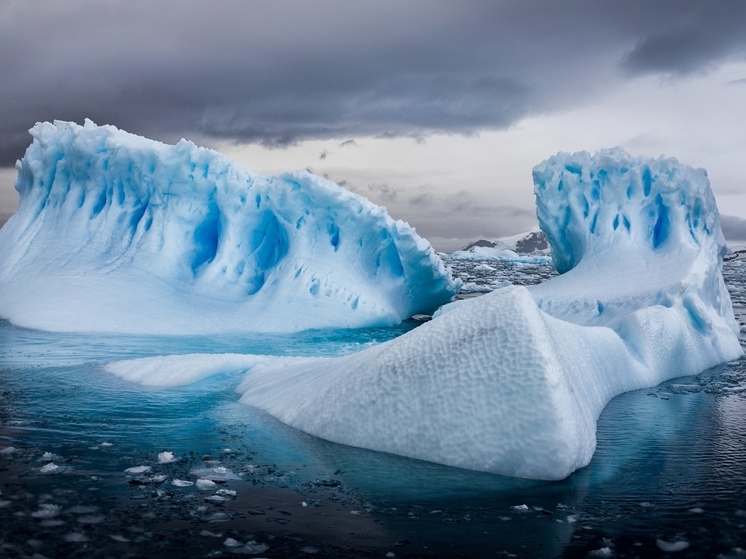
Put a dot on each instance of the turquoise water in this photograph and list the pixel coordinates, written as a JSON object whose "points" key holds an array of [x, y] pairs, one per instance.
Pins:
{"points": [[670, 463]]}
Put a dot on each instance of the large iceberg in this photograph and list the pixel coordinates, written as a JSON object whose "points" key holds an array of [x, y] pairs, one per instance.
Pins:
{"points": [[118, 233], [513, 382]]}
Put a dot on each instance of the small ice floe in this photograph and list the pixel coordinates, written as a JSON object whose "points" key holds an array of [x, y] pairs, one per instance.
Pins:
{"points": [[520, 508], [205, 484], [47, 457], [571, 519], [137, 470], [76, 537], [105, 444], [504, 518], [484, 268], [217, 473], [646, 505], [208, 534], [8, 450], [118, 538], [166, 457], [181, 483], [157, 479], [602, 552], [4, 504], [51, 468], [46, 510], [697, 510], [219, 517], [390, 554], [671, 547], [226, 493], [215, 499]]}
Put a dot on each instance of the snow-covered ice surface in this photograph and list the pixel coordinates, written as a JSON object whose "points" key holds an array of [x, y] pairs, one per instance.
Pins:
{"points": [[117, 233], [513, 382]]}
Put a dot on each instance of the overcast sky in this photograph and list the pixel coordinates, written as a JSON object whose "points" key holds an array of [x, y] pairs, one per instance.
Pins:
{"points": [[437, 110]]}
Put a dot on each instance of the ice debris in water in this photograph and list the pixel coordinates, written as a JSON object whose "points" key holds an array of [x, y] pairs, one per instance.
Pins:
{"points": [[670, 547], [51, 468], [47, 457], [136, 470], [218, 473], [8, 450], [229, 493], [205, 484], [181, 483], [46, 510], [166, 457], [211, 246], [76, 537], [527, 371]]}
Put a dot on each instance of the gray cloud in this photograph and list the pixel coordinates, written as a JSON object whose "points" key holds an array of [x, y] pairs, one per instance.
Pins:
{"points": [[280, 72], [734, 228]]}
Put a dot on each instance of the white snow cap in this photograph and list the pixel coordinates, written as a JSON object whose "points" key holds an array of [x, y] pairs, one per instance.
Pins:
{"points": [[513, 382], [118, 233]]}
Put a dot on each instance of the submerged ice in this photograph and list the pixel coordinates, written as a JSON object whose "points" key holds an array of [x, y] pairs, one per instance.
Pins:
{"points": [[117, 233], [513, 382]]}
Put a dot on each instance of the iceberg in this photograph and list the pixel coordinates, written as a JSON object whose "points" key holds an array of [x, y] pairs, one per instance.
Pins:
{"points": [[513, 382], [117, 233]]}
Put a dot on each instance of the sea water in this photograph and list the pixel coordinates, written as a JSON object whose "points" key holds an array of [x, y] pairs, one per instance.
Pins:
{"points": [[668, 476]]}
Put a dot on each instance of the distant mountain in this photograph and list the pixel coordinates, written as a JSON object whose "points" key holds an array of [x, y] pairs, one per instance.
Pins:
{"points": [[532, 242]]}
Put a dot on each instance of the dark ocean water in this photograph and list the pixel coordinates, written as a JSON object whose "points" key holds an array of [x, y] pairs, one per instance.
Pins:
{"points": [[668, 477]]}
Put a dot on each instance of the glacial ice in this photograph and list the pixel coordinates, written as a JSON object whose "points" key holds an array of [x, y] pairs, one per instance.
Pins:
{"points": [[513, 382], [117, 233]]}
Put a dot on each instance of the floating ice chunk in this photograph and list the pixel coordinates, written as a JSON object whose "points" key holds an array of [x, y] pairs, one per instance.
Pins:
{"points": [[4, 504], [603, 552], [118, 538], [697, 510], [181, 483], [47, 457], [226, 493], [520, 508], [208, 534], [8, 450], [51, 468], [203, 244], [484, 268], [215, 499], [670, 547], [218, 473], [46, 510], [166, 457], [107, 444], [136, 470], [205, 484], [76, 537]]}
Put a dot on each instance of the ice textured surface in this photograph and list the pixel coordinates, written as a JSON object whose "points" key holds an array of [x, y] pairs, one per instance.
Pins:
{"points": [[117, 233]]}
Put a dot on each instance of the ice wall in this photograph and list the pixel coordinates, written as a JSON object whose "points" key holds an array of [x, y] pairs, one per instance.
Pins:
{"points": [[119, 233]]}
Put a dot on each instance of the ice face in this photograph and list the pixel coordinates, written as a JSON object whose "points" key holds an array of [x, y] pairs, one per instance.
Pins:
{"points": [[117, 233]]}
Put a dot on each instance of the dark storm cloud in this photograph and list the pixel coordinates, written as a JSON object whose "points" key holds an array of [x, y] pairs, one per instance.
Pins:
{"points": [[279, 72]]}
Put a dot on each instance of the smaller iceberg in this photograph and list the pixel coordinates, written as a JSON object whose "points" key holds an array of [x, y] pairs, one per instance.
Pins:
{"points": [[117, 233]]}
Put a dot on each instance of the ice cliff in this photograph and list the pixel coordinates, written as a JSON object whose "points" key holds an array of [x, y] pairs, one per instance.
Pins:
{"points": [[513, 382], [118, 233]]}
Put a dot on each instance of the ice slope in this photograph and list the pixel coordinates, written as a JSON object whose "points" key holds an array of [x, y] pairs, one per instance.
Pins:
{"points": [[118, 233], [513, 382]]}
